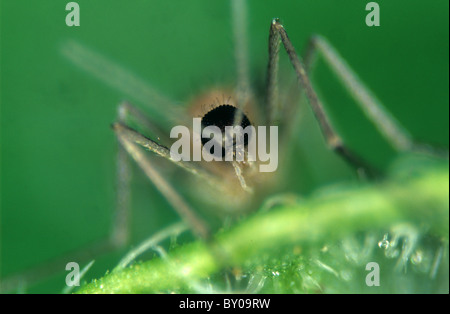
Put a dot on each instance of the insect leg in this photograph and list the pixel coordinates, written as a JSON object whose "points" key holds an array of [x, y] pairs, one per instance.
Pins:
{"points": [[243, 90], [398, 137], [119, 235], [131, 141], [277, 36], [121, 79], [388, 126]]}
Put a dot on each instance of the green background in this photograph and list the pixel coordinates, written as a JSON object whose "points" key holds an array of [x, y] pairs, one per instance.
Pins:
{"points": [[58, 151]]}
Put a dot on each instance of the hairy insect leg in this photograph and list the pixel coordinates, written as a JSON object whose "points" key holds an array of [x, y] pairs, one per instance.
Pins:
{"points": [[277, 36], [133, 142], [391, 129], [387, 125], [120, 229], [124, 132], [119, 78]]}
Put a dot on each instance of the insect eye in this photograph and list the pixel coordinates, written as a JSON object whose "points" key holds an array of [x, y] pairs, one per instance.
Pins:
{"points": [[222, 117]]}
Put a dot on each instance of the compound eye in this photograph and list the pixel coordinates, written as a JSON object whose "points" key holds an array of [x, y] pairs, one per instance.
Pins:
{"points": [[222, 117]]}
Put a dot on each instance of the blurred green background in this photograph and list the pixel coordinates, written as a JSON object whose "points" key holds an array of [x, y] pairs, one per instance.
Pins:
{"points": [[58, 151]]}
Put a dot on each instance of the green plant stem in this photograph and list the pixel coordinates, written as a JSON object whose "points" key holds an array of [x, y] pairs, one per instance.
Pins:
{"points": [[422, 199]]}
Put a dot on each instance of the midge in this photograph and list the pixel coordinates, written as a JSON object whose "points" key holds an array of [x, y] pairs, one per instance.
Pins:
{"points": [[230, 186], [237, 185]]}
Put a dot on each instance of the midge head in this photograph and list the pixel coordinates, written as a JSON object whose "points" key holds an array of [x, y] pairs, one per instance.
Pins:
{"points": [[223, 117], [226, 136]]}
